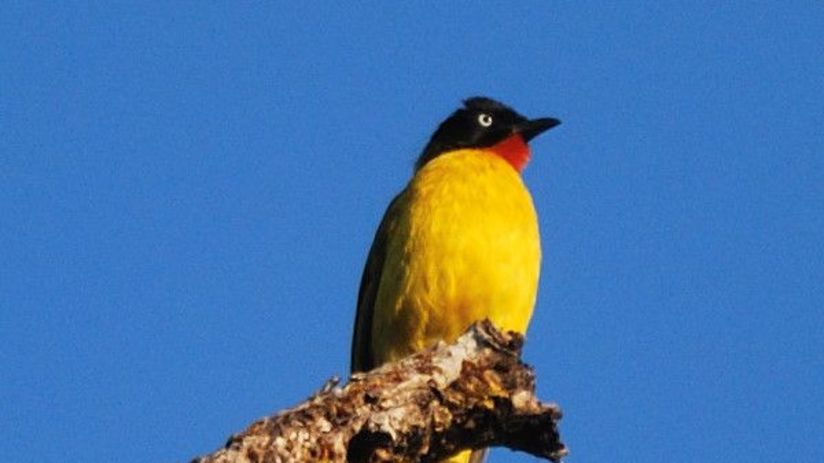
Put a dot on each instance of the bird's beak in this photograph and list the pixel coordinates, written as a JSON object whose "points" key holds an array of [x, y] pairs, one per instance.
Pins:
{"points": [[535, 127]]}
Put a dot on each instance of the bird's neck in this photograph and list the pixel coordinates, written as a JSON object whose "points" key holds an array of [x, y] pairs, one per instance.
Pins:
{"points": [[514, 149]]}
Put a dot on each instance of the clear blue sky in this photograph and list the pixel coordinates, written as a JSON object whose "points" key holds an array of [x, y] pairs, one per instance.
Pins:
{"points": [[188, 193]]}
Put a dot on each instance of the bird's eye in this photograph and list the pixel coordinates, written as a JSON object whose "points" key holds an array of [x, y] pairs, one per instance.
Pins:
{"points": [[484, 119]]}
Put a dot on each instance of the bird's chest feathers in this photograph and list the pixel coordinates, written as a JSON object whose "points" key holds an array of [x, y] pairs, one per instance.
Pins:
{"points": [[473, 242], [470, 196], [468, 215]]}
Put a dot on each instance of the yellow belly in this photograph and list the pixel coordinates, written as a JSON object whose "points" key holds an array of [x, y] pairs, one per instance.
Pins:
{"points": [[466, 247]]}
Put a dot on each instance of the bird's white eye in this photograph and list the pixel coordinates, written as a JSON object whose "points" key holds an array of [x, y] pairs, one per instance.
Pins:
{"points": [[484, 119]]}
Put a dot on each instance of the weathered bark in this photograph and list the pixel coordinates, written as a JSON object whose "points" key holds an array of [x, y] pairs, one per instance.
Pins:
{"points": [[474, 393]]}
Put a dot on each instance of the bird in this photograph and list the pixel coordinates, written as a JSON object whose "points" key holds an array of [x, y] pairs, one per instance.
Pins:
{"points": [[460, 243]]}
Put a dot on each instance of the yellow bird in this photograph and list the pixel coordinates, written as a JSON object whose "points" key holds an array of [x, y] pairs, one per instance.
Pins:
{"points": [[459, 244]]}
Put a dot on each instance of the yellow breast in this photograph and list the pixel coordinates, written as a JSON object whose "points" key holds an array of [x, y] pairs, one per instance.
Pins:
{"points": [[465, 247]]}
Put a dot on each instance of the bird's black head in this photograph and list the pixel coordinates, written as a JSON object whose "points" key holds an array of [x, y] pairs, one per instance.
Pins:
{"points": [[481, 123]]}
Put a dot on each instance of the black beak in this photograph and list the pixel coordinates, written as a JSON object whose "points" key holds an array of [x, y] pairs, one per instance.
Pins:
{"points": [[535, 127]]}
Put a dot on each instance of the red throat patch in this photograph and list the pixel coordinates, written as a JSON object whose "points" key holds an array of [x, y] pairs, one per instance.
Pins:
{"points": [[514, 149]]}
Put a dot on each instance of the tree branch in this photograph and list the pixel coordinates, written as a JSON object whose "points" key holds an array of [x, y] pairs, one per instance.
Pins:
{"points": [[474, 393]]}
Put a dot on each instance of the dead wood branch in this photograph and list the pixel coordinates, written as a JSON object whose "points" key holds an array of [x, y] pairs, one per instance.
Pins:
{"points": [[474, 393]]}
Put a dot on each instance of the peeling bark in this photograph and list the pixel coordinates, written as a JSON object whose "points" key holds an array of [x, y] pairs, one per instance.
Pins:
{"points": [[474, 393]]}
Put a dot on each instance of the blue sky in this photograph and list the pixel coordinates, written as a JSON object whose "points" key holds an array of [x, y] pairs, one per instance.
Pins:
{"points": [[188, 193]]}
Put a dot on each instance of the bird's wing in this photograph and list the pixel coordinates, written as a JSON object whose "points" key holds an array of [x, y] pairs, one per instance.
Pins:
{"points": [[362, 355]]}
